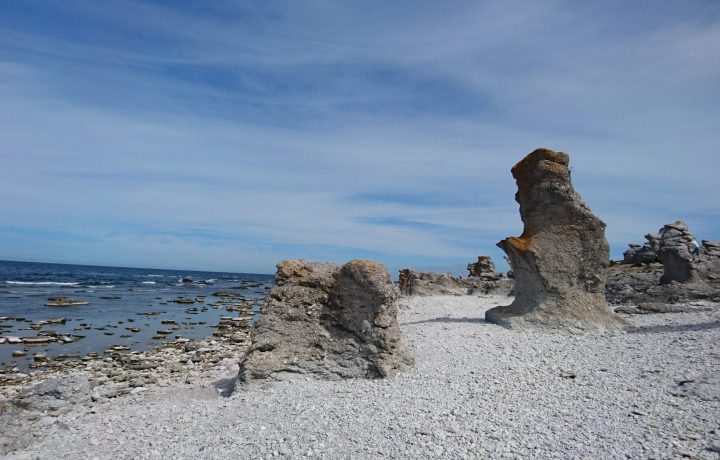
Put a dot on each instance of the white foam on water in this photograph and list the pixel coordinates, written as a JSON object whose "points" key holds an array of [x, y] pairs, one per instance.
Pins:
{"points": [[41, 283]]}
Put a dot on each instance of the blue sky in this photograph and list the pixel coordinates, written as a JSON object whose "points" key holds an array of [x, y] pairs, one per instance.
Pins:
{"points": [[230, 135]]}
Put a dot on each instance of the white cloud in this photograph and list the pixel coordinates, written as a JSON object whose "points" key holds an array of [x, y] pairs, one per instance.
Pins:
{"points": [[131, 140]]}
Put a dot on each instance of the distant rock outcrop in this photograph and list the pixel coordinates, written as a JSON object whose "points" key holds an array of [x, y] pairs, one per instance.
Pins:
{"points": [[560, 260], [484, 268], [406, 280], [647, 253], [412, 283], [428, 283], [327, 321], [680, 283]]}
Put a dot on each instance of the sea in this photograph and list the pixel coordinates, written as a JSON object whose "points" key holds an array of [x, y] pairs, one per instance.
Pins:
{"points": [[125, 306]]}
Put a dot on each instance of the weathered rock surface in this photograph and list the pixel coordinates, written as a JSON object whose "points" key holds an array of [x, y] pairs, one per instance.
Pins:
{"points": [[711, 248], [675, 255], [327, 321], [647, 253], [55, 394], [560, 260], [501, 286], [405, 280]]}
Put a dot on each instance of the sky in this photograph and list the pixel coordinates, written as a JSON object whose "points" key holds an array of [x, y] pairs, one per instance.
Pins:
{"points": [[230, 135]]}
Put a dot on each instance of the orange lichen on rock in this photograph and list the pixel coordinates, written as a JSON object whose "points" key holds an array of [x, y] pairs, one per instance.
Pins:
{"points": [[291, 269], [366, 265], [537, 156], [557, 168], [522, 243]]}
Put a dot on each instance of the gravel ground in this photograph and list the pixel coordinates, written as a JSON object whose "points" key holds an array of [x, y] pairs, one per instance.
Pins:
{"points": [[477, 391]]}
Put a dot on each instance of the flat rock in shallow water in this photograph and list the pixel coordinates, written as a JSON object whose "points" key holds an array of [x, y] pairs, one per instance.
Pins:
{"points": [[64, 302], [226, 294], [40, 339]]}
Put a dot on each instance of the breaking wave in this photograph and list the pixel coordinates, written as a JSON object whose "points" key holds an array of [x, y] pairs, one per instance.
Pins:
{"points": [[41, 283]]}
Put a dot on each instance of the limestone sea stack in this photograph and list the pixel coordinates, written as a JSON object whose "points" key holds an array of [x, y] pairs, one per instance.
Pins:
{"points": [[329, 322], [675, 255], [560, 260]]}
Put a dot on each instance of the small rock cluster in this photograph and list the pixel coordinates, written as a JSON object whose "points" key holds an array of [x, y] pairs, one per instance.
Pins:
{"points": [[674, 281], [163, 364], [119, 372], [647, 253], [428, 283], [483, 279], [42, 337]]}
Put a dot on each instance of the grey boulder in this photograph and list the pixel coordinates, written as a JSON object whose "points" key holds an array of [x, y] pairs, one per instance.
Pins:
{"points": [[328, 322], [54, 394]]}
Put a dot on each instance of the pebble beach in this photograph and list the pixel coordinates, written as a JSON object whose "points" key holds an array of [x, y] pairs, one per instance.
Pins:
{"points": [[477, 391]]}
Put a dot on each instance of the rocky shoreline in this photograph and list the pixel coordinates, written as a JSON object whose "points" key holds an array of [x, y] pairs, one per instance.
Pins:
{"points": [[477, 390], [110, 379], [233, 326]]}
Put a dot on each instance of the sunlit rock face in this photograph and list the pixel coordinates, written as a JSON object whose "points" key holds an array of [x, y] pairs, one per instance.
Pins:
{"points": [[328, 322]]}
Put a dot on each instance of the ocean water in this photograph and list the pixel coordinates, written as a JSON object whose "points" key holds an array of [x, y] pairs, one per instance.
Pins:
{"points": [[119, 299]]}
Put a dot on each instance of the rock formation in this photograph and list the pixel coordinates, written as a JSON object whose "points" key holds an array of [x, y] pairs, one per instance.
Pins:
{"points": [[647, 253], [678, 284], [428, 283], [484, 268], [560, 260], [711, 248], [414, 283], [327, 321], [674, 254], [406, 281]]}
